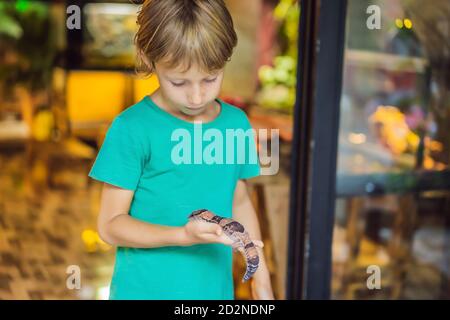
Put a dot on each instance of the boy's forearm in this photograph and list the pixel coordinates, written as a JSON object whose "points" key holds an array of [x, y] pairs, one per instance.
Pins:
{"points": [[245, 214], [126, 231]]}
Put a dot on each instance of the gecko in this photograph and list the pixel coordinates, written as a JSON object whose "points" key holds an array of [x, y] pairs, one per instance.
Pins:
{"points": [[236, 232]]}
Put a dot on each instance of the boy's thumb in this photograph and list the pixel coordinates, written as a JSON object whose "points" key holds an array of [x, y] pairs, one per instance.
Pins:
{"points": [[213, 228]]}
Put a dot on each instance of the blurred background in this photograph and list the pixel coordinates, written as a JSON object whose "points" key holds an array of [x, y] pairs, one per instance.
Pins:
{"points": [[61, 84]]}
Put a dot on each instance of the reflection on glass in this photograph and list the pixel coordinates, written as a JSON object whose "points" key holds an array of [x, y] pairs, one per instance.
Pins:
{"points": [[108, 30], [392, 218]]}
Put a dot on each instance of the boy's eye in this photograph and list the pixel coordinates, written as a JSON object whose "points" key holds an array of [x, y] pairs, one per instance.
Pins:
{"points": [[182, 83], [211, 80]]}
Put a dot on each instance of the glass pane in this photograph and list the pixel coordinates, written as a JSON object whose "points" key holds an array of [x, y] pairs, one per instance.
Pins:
{"points": [[390, 220]]}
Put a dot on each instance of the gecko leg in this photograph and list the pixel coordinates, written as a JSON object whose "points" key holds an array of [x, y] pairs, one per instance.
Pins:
{"points": [[237, 245]]}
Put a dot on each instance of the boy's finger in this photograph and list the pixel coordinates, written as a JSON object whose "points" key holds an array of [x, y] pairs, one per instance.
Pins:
{"points": [[218, 239], [228, 242], [211, 237], [212, 228]]}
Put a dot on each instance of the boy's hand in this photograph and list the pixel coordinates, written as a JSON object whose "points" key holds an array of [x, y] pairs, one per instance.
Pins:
{"points": [[204, 232]]}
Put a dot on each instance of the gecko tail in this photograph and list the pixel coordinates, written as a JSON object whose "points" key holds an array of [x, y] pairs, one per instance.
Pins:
{"points": [[252, 266]]}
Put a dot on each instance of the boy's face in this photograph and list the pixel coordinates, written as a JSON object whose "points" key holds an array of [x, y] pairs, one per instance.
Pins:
{"points": [[190, 92]]}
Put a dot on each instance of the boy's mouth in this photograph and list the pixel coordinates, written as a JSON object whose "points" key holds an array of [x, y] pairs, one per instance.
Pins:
{"points": [[194, 108], [193, 111]]}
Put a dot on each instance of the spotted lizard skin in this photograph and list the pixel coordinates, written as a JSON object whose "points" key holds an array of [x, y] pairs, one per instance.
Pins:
{"points": [[236, 232]]}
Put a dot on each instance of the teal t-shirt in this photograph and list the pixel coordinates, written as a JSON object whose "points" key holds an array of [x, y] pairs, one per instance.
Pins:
{"points": [[174, 167]]}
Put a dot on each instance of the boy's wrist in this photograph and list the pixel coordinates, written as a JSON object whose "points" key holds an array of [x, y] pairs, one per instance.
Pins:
{"points": [[181, 237]]}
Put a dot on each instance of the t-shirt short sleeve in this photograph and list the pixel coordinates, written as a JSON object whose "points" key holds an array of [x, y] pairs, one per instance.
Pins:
{"points": [[120, 159], [250, 168]]}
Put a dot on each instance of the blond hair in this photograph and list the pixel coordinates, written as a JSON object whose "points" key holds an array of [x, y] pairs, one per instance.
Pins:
{"points": [[184, 32]]}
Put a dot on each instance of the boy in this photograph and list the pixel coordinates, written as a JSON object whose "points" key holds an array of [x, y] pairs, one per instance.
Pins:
{"points": [[147, 193]]}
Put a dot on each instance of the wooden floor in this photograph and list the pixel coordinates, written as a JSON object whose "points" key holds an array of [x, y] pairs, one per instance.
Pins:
{"points": [[41, 234]]}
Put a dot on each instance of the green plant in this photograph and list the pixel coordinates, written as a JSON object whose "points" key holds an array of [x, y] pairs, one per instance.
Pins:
{"points": [[288, 13], [278, 81], [27, 44]]}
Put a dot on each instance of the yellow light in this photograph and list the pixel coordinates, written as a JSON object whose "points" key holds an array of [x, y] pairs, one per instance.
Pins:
{"points": [[428, 163], [89, 235], [393, 131], [408, 23], [435, 146], [399, 23], [42, 125], [90, 240], [93, 242]]}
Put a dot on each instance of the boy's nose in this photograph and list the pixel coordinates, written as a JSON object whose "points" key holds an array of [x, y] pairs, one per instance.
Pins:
{"points": [[195, 98]]}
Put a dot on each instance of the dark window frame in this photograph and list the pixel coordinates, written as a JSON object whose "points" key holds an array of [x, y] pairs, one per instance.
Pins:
{"points": [[314, 150]]}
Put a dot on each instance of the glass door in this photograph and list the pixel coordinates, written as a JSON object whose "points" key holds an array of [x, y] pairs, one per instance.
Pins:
{"points": [[391, 233]]}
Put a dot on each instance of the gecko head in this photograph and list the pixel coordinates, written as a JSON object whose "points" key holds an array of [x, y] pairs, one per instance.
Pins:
{"points": [[197, 213]]}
